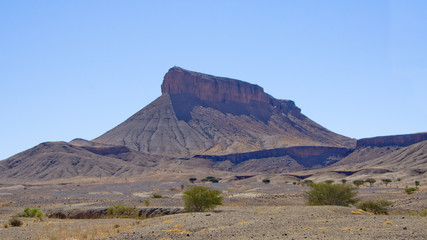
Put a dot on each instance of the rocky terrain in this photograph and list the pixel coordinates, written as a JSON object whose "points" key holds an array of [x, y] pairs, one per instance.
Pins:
{"points": [[200, 114], [251, 209], [203, 122], [202, 126]]}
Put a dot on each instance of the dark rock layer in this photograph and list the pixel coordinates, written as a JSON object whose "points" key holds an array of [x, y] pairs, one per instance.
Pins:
{"points": [[307, 156], [395, 140]]}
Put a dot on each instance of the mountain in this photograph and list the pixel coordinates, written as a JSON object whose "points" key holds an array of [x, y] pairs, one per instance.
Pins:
{"points": [[200, 114], [202, 123]]}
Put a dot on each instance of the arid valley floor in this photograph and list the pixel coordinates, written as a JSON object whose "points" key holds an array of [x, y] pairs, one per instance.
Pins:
{"points": [[250, 210]]}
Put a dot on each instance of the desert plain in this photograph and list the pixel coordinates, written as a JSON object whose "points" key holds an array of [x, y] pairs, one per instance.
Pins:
{"points": [[251, 209]]}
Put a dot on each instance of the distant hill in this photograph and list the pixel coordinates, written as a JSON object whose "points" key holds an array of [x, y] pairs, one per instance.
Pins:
{"points": [[53, 160]]}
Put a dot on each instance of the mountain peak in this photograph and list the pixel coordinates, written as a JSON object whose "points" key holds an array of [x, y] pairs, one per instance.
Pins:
{"points": [[211, 88]]}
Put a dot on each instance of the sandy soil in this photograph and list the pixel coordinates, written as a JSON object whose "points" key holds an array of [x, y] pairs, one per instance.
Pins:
{"points": [[250, 210]]}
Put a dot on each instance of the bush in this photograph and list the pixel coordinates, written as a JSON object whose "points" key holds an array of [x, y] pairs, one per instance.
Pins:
{"points": [[417, 183], [422, 213], [375, 206], [386, 181], [156, 196], [331, 194], [15, 222], [410, 190], [358, 183], [306, 182], [192, 179], [371, 181], [266, 180], [201, 198], [343, 181], [31, 213], [210, 179], [120, 210], [329, 181]]}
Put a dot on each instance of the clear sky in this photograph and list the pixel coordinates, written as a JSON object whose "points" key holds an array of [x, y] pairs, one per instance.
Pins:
{"points": [[73, 69]]}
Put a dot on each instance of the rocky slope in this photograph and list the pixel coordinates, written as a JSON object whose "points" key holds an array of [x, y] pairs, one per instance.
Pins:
{"points": [[395, 140], [53, 160], [200, 114]]}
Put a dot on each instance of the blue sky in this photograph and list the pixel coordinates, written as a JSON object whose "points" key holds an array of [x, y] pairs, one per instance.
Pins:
{"points": [[73, 69]]}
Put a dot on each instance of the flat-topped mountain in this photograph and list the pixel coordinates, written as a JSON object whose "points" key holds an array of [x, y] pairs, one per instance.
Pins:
{"points": [[206, 123], [200, 114]]}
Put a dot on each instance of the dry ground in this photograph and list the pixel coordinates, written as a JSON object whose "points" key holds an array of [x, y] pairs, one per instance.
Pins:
{"points": [[251, 210]]}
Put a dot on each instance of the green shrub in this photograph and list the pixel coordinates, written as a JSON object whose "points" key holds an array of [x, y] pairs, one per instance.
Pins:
{"points": [[410, 190], [331, 194], [266, 180], [31, 213], [120, 210], [146, 202], [192, 179], [371, 181], [15, 222], [201, 198], [422, 213], [343, 181], [210, 179], [417, 183], [329, 181], [358, 183], [375, 206], [386, 181], [307, 182], [156, 196]]}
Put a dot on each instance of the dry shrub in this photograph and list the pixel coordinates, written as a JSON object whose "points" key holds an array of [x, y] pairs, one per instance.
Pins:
{"points": [[375, 206]]}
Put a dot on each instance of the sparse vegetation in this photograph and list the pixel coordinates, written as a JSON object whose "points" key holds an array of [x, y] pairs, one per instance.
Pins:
{"points": [[331, 194], [386, 181], [411, 190], [31, 213], [266, 180], [375, 206], [156, 196], [120, 210], [329, 181], [146, 202], [422, 213], [201, 198], [15, 222], [358, 183], [307, 182], [210, 179], [371, 181]]}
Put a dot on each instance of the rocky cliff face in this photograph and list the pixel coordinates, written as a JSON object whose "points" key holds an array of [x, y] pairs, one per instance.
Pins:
{"points": [[210, 88], [395, 140]]}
